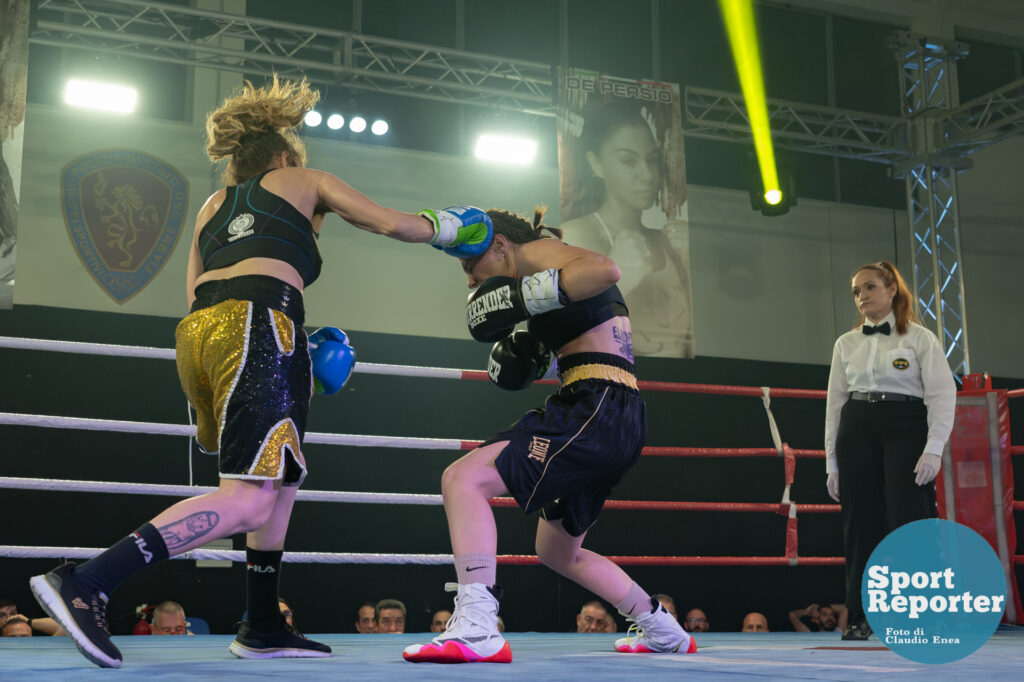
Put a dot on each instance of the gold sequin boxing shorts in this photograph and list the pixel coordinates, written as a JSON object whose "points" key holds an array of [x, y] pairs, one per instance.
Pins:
{"points": [[244, 365]]}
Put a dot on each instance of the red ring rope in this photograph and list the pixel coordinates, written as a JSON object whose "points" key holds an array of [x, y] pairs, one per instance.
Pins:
{"points": [[528, 560], [672, 451], [658, 505], [681, 387]]}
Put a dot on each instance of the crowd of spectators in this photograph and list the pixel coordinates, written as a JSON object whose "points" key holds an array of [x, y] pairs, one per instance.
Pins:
{"points": [[14, 624], [389, 616]]}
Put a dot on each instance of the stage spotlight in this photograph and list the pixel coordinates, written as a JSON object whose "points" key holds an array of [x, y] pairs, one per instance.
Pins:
{"points": [[102, 96], [775, 201], [379, 127], [313, 119], [504, 149], [739, 23], [357, 124], [335, 121]]}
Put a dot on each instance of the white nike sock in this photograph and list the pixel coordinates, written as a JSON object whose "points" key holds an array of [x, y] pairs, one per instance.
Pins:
{"points": [[637, 602], [476, 568]]}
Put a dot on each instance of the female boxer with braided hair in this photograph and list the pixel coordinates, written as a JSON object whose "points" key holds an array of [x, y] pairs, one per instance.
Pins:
{"points": [[244, 363], [563, 459]]}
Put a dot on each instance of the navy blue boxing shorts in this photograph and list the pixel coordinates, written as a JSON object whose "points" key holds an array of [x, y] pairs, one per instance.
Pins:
{"points": [[566, 457]]}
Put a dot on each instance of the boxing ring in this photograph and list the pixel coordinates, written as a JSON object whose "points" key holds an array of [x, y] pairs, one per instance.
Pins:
{"points": [[546, 656]]}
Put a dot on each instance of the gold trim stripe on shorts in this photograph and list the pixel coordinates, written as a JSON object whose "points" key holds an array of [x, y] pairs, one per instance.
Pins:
{"points": [[599, 371], [270, 462]]}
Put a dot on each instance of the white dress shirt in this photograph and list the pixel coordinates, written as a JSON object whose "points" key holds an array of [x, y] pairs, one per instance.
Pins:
{"points": [[911, 364]]}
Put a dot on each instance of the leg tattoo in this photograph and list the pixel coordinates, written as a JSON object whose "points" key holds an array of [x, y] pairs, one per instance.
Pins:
{"points": [[189, 529]]}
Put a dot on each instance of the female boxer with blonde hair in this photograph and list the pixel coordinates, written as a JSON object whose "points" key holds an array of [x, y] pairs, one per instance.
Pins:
{"points": [[244, 363]]}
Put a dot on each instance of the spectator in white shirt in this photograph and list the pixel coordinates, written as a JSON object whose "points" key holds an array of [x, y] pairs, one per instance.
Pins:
{"points": [[889, 413]]}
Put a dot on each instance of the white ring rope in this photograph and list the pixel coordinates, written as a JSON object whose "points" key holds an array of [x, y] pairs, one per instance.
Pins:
{"points": [[115, 350], [189, 430], [25, 552], [86, 348], [87, 424], [193, 490]]}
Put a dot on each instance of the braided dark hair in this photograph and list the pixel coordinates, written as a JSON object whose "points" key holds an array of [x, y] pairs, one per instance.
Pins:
{"points": [[517, 229]]}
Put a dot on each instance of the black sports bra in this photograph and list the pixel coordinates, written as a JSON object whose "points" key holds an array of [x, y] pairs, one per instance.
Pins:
{"points": [[556, 328], [255, 223]]}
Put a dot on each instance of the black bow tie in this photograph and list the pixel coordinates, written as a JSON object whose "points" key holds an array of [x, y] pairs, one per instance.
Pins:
{"points": [[883, 328]]}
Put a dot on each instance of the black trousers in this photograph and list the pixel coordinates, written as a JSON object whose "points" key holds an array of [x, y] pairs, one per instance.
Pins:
{"points": [[877, 448]]}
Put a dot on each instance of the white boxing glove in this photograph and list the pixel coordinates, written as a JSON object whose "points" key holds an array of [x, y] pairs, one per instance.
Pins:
{"points": [[832, 485]]}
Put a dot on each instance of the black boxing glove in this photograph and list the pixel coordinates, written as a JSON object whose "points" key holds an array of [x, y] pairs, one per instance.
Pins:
{"points": [[496, 306], [517, 361]]}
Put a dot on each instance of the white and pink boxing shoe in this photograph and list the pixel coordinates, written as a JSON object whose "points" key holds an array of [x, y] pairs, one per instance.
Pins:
{"points": [[472, 635], [656, 632]]}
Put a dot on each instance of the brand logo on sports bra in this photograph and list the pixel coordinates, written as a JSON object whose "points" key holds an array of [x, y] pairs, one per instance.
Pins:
{"points": [[240, 226], [901, 363]]}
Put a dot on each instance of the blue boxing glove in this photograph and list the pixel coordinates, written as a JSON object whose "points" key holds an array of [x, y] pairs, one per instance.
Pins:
{"points": [[460, 231], [333, 359]]}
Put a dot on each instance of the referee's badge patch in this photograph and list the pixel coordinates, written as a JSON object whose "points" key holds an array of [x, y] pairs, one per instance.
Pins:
{"points": [[901, 363]]}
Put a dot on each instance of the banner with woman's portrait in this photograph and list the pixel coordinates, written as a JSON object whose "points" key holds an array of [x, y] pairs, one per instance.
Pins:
{"points": [[623, 194], [13, 82]]}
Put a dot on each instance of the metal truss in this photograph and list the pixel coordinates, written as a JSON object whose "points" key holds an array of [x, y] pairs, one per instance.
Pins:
{"points": [[928, 145], [930, 132], [807, 128], [928, 87], [231, 42], [985, 120]]}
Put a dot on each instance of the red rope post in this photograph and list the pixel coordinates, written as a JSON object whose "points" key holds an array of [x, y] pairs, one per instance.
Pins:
{"points": [[790, 459]]}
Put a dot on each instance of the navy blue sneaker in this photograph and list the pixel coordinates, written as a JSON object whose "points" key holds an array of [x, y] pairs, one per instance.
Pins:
{"points": [[83, 614], [281, 644]]}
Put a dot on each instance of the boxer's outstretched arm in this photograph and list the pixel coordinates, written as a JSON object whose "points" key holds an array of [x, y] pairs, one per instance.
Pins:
{"points": [[366, 214]]}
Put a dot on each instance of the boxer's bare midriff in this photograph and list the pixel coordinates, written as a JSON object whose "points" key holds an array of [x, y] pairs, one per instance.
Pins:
{"points": [[269, 267], [612, 336]]}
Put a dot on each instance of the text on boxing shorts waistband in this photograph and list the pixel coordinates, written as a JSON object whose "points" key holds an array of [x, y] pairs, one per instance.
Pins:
{"points": [[262, 290]]}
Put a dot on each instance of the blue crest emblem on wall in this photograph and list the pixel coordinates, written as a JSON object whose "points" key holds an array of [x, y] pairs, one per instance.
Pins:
{"points": [[124, 210]]}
